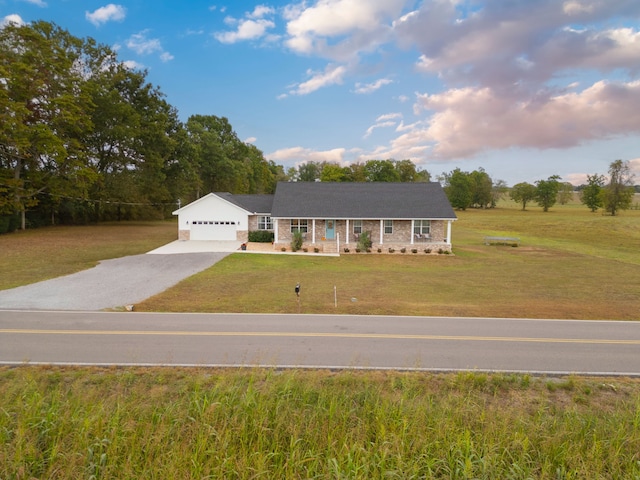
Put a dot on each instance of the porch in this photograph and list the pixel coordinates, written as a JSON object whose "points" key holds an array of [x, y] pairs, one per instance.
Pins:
{"points": [[336, 235]]}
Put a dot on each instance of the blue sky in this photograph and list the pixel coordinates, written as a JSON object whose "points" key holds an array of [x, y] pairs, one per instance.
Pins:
{"points": [[525, 89]]}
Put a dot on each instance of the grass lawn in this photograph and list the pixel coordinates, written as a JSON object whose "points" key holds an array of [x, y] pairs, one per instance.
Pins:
{"points": [[572, 264]]}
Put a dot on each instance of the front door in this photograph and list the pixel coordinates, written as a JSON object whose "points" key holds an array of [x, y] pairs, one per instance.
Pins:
{"points": [[330, 229]]}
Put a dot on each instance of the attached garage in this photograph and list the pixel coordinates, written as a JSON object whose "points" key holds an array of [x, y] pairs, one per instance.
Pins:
{"points": [[213, 230]]}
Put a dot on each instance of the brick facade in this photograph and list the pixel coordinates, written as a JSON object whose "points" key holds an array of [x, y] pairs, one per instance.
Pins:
{"points": [[401, 236]]}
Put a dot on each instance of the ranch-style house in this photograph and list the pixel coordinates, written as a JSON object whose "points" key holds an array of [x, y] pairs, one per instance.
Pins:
{"points": [[331, 216]]}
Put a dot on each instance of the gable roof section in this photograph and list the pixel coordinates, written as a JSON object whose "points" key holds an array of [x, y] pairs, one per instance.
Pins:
{"points": [[253, 203], [370, 200]]}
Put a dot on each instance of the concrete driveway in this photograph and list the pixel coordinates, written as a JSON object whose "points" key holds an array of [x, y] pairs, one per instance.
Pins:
{"points": [[120, 281], [197, 246]]}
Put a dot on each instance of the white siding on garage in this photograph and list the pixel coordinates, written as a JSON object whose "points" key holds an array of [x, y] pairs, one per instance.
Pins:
{"points": [[213, 230], [212, 218]]}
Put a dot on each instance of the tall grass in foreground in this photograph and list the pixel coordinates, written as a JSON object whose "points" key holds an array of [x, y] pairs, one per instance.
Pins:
{"points": [[174, 423]]}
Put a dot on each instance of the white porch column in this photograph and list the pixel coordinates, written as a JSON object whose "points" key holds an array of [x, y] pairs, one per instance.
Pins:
{"points": [[275, 230], [313, 231], [413, 223], [381, 230], [347, 233], [449, 232]]}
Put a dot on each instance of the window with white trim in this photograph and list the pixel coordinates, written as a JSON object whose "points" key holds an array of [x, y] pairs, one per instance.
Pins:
{"points": [[299, 225], [357, 227], [388, 226], [265, 223], [422, 227]]}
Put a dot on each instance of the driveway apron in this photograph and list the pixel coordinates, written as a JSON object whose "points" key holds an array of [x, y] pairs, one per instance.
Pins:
{"points": [[111, 284]]}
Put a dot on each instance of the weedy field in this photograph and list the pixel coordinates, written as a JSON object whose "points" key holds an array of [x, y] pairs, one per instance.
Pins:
{"points": [[250, 424]]}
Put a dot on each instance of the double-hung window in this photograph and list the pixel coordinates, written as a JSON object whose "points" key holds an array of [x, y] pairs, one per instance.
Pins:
{"points": [[299, 225], [422, 227], [357, 227], [265, 223], [388, 226]]}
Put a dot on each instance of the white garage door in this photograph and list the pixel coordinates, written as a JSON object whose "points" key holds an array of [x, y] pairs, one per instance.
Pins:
{"points": [[213, 230]]}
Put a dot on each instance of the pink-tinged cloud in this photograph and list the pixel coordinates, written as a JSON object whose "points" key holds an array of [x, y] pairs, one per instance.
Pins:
{"points": [[504, 43], [301, 155], [470, 120]]}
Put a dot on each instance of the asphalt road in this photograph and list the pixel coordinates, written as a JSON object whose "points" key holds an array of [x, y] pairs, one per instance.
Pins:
{"points": [[321, 341]]}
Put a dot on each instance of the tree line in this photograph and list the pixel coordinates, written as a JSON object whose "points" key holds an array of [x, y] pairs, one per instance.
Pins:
{"points": [[84, 139], [613, 195]]}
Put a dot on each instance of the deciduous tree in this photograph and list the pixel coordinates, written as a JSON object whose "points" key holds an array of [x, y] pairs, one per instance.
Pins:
{"points": [[591, 194], [547, 192], [458, 186], [618, 193], [523, 193]]}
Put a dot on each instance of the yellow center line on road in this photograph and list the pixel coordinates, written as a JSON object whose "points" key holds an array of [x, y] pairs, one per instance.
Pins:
{"points": [[381, 336]]}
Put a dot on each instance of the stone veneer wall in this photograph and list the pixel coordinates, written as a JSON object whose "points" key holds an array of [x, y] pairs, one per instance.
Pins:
{"points": [[241, 235]]}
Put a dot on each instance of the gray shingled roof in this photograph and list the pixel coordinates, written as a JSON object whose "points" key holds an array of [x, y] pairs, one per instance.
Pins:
{"points": [[257, 203], [370, 200]]}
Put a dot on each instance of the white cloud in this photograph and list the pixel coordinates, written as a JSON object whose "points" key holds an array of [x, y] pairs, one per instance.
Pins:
{"points": [[247, 30], [378, 125], [254, 26], [13, 18], [39, 3], [302, 155], [251, 140], [133, 65], [634, 165], [142, 45], [388, 116], [139, 43], [366, 88], [107, 13], [332, 75], [166, 57], [261, 11], [340, 29]]}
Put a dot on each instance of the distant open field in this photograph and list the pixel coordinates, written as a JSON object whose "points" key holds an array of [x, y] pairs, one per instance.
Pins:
{"points": [[571, 264]]}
